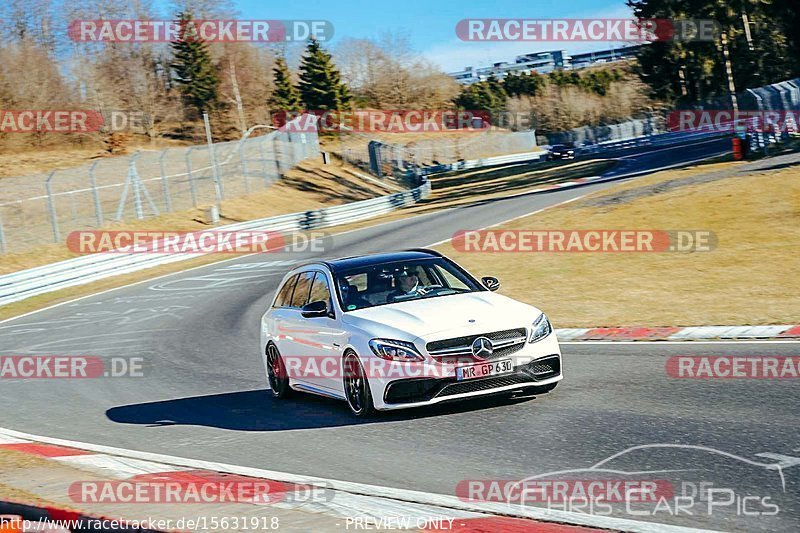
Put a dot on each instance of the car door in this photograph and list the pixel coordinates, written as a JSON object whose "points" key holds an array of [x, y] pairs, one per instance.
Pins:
{"points": [[324, 336], [312, 345], [288, 320], [277, 318]]}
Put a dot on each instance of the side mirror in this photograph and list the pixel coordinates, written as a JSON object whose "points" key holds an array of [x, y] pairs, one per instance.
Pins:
{"points": [[315, 309], [491, 283]]}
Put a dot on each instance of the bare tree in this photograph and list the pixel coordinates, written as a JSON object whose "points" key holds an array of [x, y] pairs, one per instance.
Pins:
{"points": [[389, 74]]}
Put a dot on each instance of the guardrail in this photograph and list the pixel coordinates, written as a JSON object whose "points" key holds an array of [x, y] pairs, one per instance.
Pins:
{"points": [[87, 269], [523, 157]]}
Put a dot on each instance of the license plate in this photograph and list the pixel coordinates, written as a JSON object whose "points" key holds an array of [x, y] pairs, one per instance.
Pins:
{"points": [[482, 370]]}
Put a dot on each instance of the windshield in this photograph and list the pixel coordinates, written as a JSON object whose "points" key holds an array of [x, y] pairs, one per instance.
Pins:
{"points": [[394, 282]]}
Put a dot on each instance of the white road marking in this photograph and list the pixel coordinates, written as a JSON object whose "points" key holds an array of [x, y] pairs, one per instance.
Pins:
{"points": [[11, 440]]}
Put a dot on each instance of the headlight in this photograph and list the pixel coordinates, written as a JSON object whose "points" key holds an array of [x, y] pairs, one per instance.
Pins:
{"points": [[541, 328], [393, 350]]}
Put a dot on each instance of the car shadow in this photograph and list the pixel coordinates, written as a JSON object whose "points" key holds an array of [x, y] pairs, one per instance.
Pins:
{"points": [[257, 410]]}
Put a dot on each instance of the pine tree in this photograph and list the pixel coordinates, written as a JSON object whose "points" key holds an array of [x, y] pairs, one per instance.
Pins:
{"points": [[321, 87], [195, 72], [344, 96], [488, 96], [285, 97]]}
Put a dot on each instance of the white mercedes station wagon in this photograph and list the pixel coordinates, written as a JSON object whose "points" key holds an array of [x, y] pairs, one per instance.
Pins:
{"points": [[403, 329]]}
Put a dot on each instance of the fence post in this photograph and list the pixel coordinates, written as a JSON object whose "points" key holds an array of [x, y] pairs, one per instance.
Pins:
{"points": [[243, 161], [2, 238], [98, 210], [189, 176], [52, 207], [214, 170], [262, 152], [165, 182], [137, 186], [277, 155]]}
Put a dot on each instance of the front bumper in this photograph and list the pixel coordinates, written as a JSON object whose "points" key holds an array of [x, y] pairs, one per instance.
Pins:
{"points": [[406, 393]]}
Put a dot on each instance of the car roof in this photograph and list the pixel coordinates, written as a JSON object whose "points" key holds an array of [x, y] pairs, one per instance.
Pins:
{"points": [[360, 261]]}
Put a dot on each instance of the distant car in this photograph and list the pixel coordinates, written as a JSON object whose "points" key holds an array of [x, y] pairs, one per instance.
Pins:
{"points": [[561, 151], [403, 329]]}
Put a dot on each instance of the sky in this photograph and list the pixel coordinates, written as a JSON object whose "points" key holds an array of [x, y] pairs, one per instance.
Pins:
{"points": [[430, 24]]}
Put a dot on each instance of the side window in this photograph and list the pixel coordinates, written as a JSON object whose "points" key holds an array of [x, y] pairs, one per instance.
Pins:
{"points": [[285, 293], [301, 290], [320, 290]]}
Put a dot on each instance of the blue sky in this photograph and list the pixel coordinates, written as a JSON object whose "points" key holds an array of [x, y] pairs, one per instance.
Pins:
{"points": [[430, 24]]}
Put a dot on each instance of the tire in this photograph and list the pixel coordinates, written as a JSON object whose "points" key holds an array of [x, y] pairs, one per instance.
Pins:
{"points": [[276, 373], [356, 386]]}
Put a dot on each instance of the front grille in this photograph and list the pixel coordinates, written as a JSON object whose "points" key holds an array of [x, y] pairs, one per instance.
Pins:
{"points": [[506, 350], [541, 369], [463, 345], [456, 342], [463, 387]]}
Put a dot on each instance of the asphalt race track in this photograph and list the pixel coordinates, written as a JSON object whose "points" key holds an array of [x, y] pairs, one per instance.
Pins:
{"points": [[204, 397]]}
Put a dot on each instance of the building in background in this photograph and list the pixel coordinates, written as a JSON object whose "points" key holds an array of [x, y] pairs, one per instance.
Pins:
{"points": [[544, 63]]}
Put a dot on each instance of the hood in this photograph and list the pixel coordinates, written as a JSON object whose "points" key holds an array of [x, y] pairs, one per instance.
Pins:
{"points": [[443, 316]]}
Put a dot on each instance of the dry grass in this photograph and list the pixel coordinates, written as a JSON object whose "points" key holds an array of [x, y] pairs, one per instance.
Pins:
{"points": [[10, 461], [21, 160], [750, 278]]}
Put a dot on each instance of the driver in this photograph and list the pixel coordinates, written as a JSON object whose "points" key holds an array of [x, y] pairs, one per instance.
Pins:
{"points": [[407, 285]]}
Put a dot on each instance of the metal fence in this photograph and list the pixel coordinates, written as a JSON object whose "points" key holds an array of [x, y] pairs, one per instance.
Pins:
{"points": [[37, 209], [385, 157], [630, 129]]}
